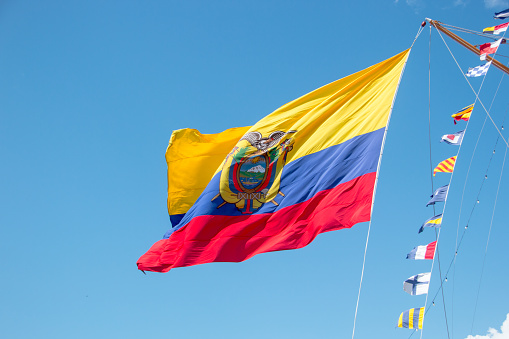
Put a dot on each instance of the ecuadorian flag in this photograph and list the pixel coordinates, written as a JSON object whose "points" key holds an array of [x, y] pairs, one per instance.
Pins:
{"points": [[307, 168]]}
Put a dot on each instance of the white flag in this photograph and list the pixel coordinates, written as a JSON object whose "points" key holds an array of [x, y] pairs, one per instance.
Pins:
{"points": [[417, 284]]}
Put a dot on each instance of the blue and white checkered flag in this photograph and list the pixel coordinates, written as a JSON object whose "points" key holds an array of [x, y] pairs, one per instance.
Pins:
{"points": [[479, 70]]}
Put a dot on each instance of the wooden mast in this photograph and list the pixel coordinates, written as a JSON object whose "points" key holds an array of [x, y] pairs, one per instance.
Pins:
{"points": [[465, 44]]}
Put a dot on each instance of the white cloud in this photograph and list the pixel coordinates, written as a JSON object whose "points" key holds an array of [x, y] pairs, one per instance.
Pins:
{"points": [[417, 5], [495, 3], [493, 333], [460, 3]]}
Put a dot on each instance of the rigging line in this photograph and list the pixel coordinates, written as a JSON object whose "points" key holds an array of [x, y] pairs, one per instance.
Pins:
{"points": [[471, 160], [452, 174], [376, 182], [431, 173], [429, 124], [489, 233], [441, 283], [464, 188], [488, 241], [476, 95], [429, 117], [466, 30]]}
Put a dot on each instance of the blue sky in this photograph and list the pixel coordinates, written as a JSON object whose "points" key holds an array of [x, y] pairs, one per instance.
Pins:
{"points": [[90, 93]]}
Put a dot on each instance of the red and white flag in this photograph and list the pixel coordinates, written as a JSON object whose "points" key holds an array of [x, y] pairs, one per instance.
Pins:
{"points": [[489, 48], [423, 252]]}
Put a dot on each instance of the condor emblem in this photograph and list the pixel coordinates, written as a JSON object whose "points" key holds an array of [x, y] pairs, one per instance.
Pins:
{"points": [[252, 170]]}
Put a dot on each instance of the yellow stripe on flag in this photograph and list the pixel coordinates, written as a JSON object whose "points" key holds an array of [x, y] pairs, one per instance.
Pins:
{"points": [[488, 29], [464, 113], [436, 221], [355, 105], [352, 106], [411, 318], [446, 166]]}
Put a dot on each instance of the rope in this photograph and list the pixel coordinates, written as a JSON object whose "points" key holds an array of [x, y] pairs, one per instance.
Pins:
{"points": [[487, 242], [469, 31], [376, 184], [492, 216]]}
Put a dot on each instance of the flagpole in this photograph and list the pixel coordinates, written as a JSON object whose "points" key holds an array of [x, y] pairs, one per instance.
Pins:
{"points": [[376, 179]]}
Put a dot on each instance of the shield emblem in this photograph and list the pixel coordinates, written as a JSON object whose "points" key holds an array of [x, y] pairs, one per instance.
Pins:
{"points": [[252, 172]]}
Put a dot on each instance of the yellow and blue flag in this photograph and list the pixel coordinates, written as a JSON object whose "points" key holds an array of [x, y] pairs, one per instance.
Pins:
{"points": [[307, 168], [435, 221], [412, 318]]}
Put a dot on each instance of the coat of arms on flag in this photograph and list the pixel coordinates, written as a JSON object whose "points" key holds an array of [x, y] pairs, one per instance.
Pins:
{"points": [[249, 171]]}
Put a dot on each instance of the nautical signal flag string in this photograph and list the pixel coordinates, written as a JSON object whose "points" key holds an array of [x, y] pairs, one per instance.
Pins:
{"points": [[419, 284]]}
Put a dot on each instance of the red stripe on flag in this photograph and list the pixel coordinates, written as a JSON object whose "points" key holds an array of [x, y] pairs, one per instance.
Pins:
{"points": [[221, 238], [430, 250], [450, 162]]}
